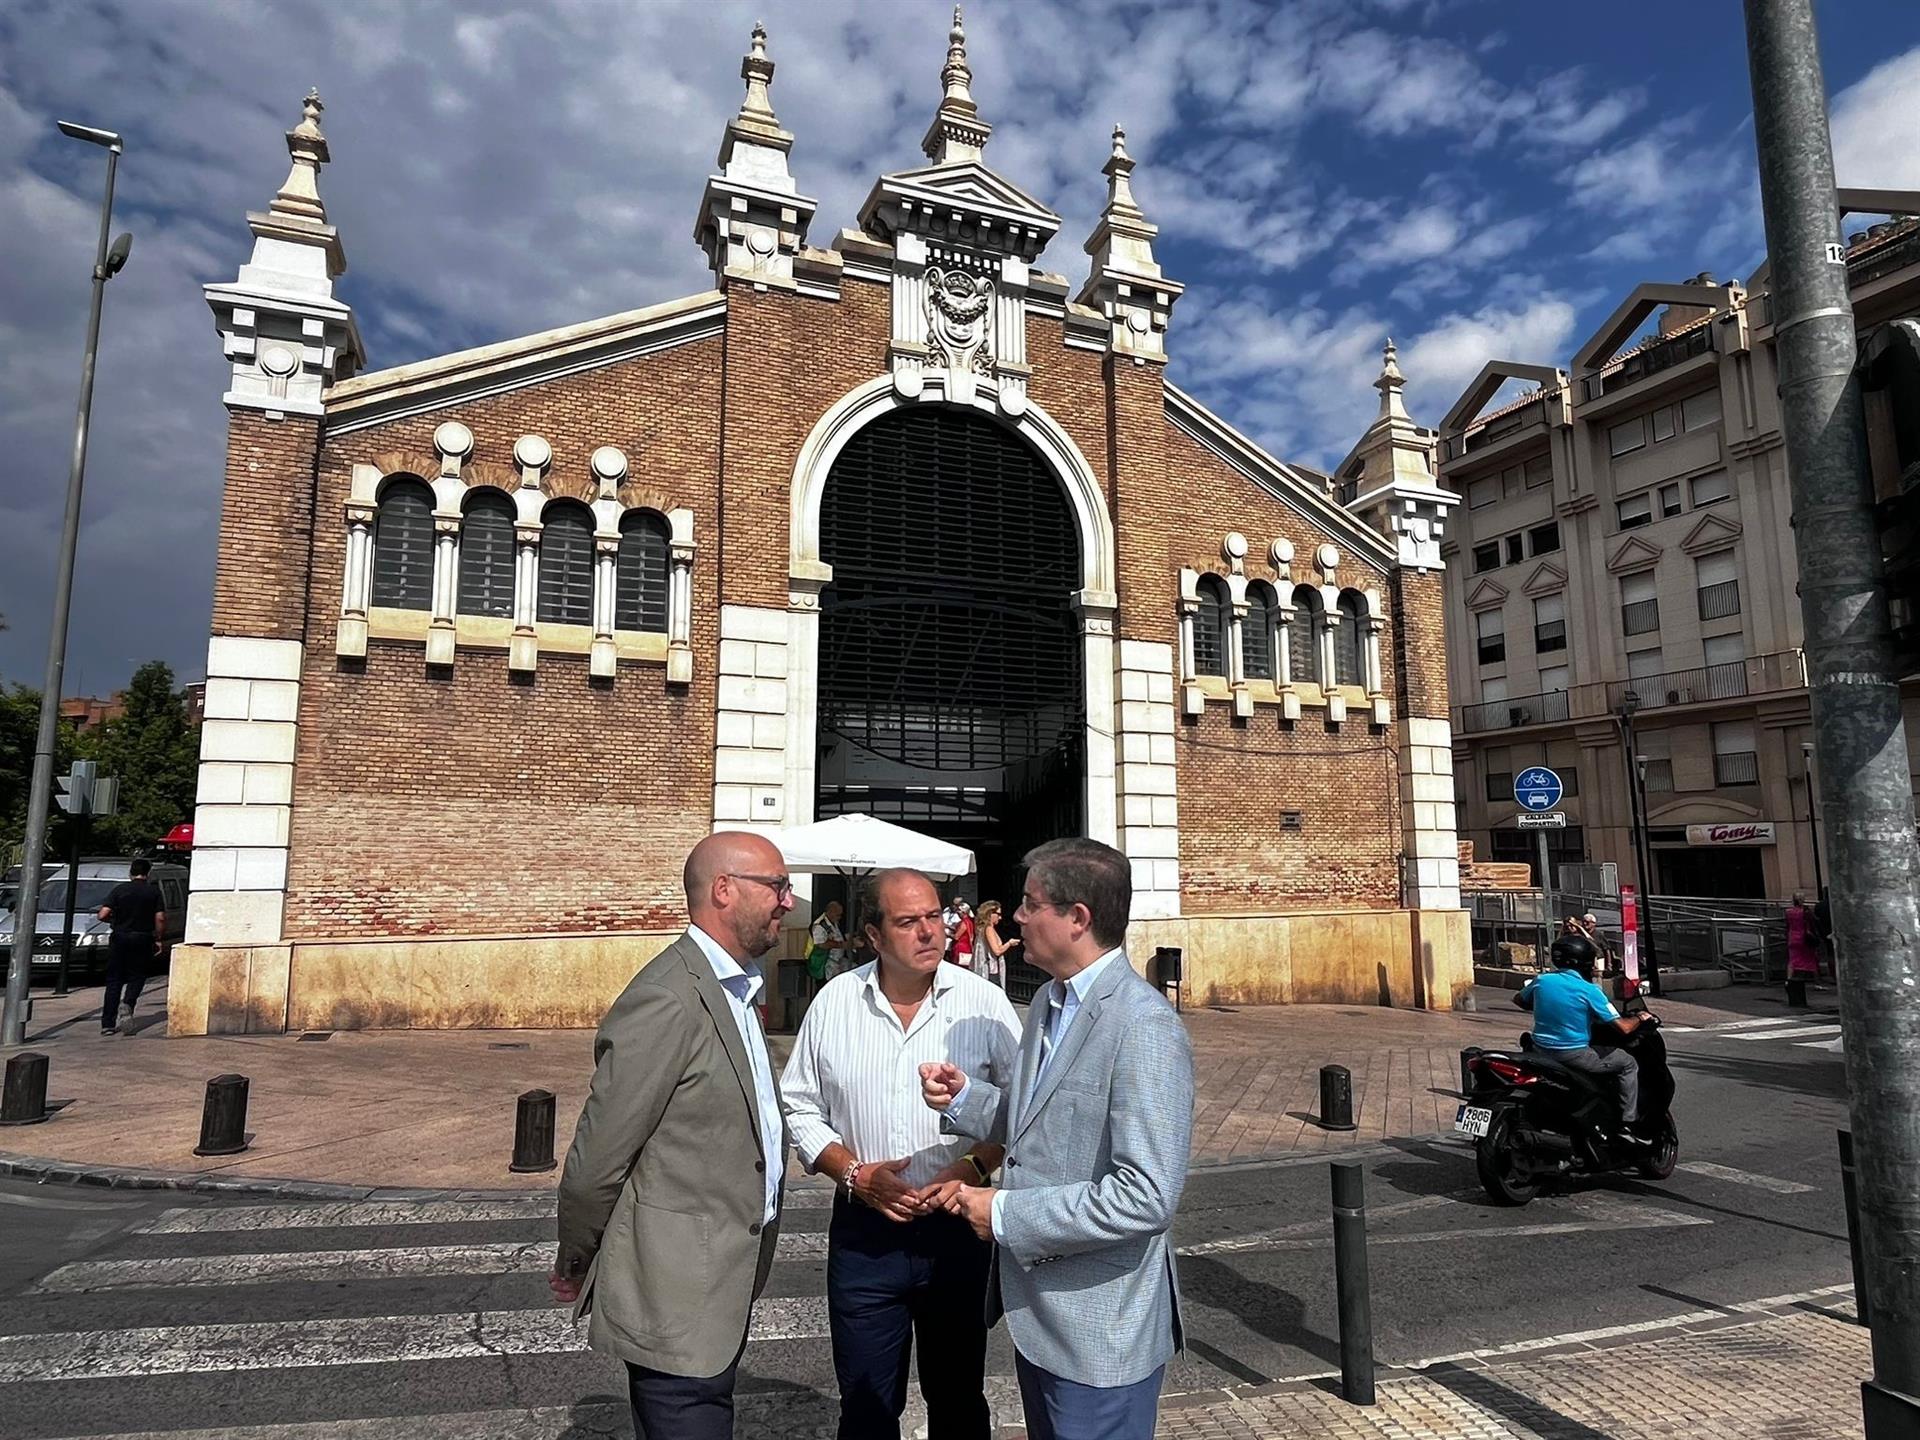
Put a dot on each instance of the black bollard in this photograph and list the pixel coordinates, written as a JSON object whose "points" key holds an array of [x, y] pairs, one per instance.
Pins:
{"points": [[24, 1101], [1847, 1189], [1350, 1281], [1336, 1098], [533, 1133], [223, 1120]]}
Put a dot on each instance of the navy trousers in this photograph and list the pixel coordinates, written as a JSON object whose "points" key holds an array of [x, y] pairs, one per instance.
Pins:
{"points": [[681, 1407], [1062, 1409], [889, 1283]]}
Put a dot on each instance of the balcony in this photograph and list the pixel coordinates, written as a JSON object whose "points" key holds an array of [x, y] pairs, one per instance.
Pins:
{"points": [[1737, 767], [1651, 359], [1762, 675], [1884, 260], [1717, 602], [1640, 617], [1506, 714]]}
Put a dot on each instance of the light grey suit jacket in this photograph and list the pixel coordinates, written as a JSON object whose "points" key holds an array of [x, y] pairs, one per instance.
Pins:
{"points": [[664, 1191], [1096, 1160]]}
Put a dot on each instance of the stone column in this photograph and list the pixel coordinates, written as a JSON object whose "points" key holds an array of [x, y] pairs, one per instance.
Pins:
{"points": [[1095, 613], [356, 589], [680, 597], [523, 649], [1235, 641], [606, 556], [1329, 669], [446, 584]]}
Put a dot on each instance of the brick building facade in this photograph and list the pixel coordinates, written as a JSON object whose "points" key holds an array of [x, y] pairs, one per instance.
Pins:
{"points": [[498, 635]]}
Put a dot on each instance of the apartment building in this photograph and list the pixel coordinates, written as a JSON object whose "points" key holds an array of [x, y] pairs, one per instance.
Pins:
{"points": [[1620, 582]]}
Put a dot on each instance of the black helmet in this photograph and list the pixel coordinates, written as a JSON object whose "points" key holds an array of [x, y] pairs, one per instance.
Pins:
{"points": [[1573, 952]]}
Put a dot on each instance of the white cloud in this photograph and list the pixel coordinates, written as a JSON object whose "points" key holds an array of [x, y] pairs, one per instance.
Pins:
{"points": [[1876, 127], [1442, 360]]}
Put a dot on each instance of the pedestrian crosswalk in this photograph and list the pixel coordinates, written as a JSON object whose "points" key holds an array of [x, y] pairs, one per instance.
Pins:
{"points": [[1810, 1032]]}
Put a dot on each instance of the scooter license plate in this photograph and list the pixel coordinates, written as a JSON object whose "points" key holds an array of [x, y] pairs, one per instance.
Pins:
{"points": [[1472, 1120]]}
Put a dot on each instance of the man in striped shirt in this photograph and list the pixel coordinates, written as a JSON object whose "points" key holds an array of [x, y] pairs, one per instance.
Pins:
{"points": [[899, 1266]]}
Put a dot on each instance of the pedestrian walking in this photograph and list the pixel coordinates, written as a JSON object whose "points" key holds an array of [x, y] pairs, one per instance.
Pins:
{"points": [[1097, 1124], [137, 912], [901, 1270], [1803, 952], [994, 954], [670, 1199], [964, 938], [826, 947]]}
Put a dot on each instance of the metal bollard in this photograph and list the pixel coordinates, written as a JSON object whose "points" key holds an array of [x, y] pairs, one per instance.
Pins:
{"points": [[24, 1101], [1336, 1098], [1853, 1227], [223, 1120], [1350, 1281], [533, 1133]]}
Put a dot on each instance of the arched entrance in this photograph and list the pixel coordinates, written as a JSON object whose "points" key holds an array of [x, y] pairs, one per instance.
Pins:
{"points": [[951, 681]]}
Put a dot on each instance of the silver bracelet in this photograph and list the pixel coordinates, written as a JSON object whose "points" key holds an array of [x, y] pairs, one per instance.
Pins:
{"points": [[850, 1177]]}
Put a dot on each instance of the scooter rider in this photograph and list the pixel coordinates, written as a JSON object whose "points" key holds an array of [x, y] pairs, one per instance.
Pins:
{"points": [[1567, 1008]]}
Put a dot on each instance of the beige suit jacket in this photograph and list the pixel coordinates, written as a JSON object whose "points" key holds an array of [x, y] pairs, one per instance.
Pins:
{"points": [[664, 1191]]}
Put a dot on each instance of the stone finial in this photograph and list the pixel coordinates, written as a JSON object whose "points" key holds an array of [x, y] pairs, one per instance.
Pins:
{"points": [[757, 70], [299, 194], [957, 134], [1393, 404], [1119, 173]]}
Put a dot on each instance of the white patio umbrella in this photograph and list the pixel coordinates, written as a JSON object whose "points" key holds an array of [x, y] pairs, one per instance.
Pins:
{"points": [[854, 844]]}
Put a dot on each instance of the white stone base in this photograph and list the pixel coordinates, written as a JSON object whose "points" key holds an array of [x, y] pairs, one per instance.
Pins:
{"points": [[245, 794], [1428, 824], [750, 756], [1147, 776]]}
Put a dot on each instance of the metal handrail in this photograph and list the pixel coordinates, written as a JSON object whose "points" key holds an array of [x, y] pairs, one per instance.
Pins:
{"points": [[1719, 601], [1639, 617]]}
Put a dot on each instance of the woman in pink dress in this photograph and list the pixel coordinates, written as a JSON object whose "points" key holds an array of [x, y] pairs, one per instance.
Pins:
{"points": [[1803, 951]]}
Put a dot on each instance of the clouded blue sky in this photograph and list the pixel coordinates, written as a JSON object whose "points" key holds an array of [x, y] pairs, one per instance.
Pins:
{"points": [[1478, 178]]}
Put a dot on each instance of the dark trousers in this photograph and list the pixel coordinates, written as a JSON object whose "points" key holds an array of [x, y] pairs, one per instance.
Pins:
{"points": [[888, 1283], [1062, 1409], [127, 955], [681, 1407]]}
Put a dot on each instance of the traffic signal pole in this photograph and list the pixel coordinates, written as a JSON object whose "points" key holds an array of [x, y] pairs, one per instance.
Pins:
{"points": [[1853, 687]]}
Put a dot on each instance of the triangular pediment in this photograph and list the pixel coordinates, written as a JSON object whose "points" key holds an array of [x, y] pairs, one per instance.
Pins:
{"points": [[1486, 595], [963, 202], [970, 181], [1547, 579], [1636, 552], [1714, 532]]}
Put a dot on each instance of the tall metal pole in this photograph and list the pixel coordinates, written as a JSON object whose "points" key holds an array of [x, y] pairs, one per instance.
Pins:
{"points": [[1642, 843], [1813, 824], [13, 1026], [1866, 790]]}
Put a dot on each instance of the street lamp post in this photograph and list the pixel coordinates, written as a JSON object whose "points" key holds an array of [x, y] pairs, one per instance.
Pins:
{"points": [[107, 262], [1813, 823], [1642, 843]]}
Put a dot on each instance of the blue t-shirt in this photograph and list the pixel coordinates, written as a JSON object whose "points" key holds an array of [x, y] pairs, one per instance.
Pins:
{"points": [[1565, 1009]]}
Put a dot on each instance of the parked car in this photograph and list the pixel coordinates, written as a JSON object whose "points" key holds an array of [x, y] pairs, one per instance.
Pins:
{"points": [[97, 877]]}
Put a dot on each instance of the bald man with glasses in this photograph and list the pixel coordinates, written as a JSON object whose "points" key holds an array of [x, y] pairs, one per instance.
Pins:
{"points": [[669, 1213]]}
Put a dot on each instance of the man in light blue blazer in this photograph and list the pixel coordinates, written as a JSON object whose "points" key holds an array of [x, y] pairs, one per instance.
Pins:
{"points": [[1097, 1124]]}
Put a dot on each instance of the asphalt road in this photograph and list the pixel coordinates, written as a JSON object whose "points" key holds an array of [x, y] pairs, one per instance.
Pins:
{"points": [[145, 1313]]}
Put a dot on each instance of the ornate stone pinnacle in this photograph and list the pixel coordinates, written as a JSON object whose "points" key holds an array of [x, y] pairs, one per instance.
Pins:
{"points": [[757, 70], [299, 195], [956, 75], [1391, 382], [1119, 173]]}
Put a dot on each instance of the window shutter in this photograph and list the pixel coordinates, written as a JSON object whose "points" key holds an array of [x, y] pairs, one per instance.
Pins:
{"points": [[566, 565], [1210, 628], [640, 574], [486, 555], [1349, 665], [1257, 634], [1303, 643]]}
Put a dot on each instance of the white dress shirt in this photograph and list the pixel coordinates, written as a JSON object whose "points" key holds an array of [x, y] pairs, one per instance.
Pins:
{"points": [[1063, 999], [854, 1077], [743, 987]]}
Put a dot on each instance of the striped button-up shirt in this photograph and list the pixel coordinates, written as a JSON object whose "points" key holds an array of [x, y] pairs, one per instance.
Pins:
{"points": [[854, 1077], [743, 986]]}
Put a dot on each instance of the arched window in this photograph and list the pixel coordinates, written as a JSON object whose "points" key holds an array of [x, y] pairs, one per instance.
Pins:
{"points": [[486, 554], [566, 564], [1256, 634], [403, 545], [1303, 636], [1350, 640], [1210, 627], [640, 575]]}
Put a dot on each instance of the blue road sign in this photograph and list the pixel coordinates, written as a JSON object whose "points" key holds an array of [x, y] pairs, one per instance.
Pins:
{"points": [[1537, 788]]}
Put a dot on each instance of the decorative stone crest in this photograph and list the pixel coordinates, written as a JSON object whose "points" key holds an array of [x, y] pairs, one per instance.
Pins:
{"points": [[960, 320]]}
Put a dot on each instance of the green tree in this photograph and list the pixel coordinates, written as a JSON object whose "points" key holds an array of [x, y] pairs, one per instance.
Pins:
{"points": [[19, 726], [154, 752]]}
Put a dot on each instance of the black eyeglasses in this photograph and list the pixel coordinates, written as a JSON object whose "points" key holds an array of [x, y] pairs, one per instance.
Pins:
{"points": [[781, 885]]}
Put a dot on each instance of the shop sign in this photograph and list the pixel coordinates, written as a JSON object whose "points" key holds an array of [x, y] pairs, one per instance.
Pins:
{"points": [[1757, 832]]}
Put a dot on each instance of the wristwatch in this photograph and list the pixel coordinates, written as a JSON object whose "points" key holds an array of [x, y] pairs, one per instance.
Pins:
{"points": [[973, 1161]]}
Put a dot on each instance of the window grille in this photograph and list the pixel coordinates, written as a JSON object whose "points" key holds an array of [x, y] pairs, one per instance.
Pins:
{"points": [[640, 574], [1210, 627], [1350, 640], [403, 546], [1303, 636], [486, 555], [1256, 645], [566, 565]]}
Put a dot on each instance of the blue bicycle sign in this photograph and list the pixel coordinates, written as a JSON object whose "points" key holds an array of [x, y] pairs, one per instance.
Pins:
{"points": [[1537, 788]]}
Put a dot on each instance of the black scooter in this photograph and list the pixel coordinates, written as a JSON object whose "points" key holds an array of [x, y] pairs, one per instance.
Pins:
{"points": [[1535, 1122]]}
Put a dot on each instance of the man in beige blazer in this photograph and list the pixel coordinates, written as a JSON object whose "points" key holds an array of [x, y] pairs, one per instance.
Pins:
{"points": [[670, 1199]]}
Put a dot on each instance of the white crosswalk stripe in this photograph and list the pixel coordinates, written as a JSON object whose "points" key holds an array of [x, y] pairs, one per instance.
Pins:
{"points": [[1796, 1033]]}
